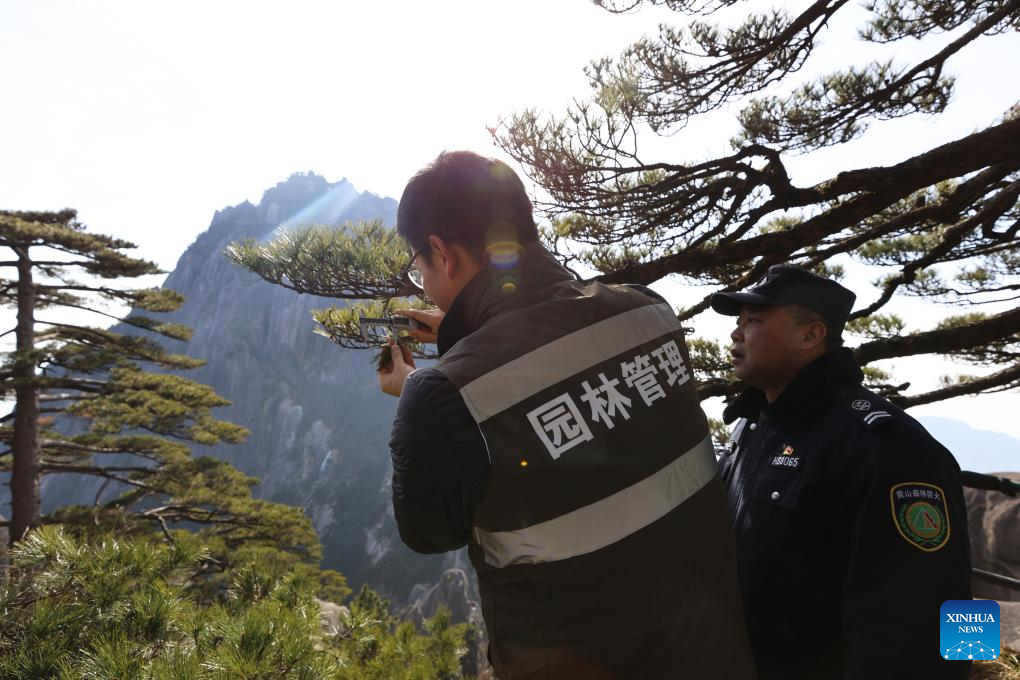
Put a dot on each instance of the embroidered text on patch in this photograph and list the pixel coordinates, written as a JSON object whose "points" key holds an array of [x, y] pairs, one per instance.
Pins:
{"points": [[920, 514]]}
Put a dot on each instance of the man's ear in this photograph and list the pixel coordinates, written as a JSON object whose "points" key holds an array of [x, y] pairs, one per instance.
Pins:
{"points": [[813, 335], [447, 255]]}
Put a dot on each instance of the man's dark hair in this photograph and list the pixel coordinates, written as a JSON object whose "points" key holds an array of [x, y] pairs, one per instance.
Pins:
{"points": [[467, 199], [833, 336]]}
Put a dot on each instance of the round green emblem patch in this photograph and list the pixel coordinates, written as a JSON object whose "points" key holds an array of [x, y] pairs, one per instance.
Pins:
{"points": [[920, 514], [924, 520]]}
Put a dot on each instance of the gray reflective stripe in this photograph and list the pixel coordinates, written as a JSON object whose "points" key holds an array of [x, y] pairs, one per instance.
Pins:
{"points": [[605, 521], [531, 373]]}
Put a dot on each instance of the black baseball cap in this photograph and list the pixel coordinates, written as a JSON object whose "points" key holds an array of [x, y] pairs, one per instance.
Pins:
{"points": [[786, 284]]}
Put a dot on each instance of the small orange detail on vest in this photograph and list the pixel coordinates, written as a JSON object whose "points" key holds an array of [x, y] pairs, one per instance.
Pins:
{"points": [[524, 463]]}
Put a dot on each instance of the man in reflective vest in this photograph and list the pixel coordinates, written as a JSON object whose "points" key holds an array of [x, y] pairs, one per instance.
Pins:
{"points": [[561, 438]]}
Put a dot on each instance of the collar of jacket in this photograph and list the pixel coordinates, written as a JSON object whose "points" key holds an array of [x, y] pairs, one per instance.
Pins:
{"points": [[486, 296], [826, 375]]}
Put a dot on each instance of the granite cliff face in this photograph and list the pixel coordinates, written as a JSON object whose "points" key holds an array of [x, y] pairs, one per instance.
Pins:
{"points": [[993, 520], [319, 424]]}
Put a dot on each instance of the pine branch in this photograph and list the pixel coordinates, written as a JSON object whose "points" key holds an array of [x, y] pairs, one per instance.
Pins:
{"points": [[359, 261], [874, 188], [96, 472], [51, 263], [1007, 378], [951, 238], [83, 448], [942, 341]]}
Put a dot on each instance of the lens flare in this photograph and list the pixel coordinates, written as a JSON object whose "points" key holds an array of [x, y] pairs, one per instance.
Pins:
{"points": [[504, 254]]}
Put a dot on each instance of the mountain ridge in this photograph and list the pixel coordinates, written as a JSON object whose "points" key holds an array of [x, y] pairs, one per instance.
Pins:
{"points": [[975, 449]]}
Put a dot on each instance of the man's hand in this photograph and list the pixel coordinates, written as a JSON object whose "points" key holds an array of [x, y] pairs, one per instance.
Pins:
{"points": [[430, 317], [391, 378]]}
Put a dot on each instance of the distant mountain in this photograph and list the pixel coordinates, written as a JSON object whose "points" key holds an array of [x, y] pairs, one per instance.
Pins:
{"points": [[319, 424], [975, 450]]}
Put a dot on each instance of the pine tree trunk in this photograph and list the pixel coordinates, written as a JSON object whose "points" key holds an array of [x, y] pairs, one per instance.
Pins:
{"points": [[25, 497]]}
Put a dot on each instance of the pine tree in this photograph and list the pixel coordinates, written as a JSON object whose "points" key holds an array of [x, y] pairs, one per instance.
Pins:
{"points": [[138, 424], [942, 226]]}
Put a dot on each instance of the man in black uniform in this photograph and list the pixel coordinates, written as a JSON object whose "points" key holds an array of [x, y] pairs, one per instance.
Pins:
{"points": [[849, 517], [561, 439]]}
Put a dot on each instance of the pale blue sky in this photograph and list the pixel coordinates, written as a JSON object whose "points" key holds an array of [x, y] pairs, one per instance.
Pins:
{"points": [[149, 117]]}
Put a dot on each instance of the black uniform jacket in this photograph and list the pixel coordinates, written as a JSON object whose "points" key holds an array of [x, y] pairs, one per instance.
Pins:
{"points": [[851, 530]]}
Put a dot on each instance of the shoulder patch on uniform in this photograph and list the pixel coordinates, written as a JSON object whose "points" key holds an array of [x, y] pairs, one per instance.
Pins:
{"points": [[868, 409], [920, 514]]}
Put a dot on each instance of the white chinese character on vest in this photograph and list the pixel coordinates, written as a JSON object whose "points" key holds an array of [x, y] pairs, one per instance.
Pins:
{"points": [[559, 425]]}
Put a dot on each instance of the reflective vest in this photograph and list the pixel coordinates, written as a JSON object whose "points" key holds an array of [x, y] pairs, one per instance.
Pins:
{"points": [[604, 547]]}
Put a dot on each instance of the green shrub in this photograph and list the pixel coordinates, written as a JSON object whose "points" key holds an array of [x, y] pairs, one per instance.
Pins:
{"points": [[85, 607]]}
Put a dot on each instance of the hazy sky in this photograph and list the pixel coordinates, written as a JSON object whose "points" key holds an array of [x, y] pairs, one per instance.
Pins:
{"points": [[148, 118]]}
